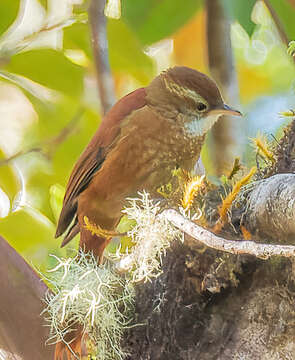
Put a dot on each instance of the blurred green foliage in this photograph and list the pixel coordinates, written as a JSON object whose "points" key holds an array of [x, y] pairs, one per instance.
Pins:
{"points": [[9, 182], [8, 12], [63, 79], [26, 228], [125, 51], [153, 20], [49, 68], [285, 11], [240, 10]]}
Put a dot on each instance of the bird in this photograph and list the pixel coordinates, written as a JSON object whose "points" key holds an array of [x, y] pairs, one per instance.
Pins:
{"points": [[140, 141]]}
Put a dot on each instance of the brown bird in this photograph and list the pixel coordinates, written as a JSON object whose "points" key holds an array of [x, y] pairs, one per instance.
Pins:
{"points": [[140, 141]]}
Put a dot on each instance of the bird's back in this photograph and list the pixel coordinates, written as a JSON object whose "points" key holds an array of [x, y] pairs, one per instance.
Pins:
{"points": [[93, 156]]}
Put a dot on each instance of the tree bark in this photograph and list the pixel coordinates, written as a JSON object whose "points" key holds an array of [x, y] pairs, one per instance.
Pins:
{"points": [[213, 305], [208, 305], [99, 39], [227, 132], [22, 330]]}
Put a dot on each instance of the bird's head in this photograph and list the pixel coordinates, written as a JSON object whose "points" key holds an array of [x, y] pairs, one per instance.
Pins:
{"points": [[189, 96]]}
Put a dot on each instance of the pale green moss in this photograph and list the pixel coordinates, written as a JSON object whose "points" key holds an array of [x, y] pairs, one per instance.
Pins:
{"points": [[152, 235], [94, 297]]}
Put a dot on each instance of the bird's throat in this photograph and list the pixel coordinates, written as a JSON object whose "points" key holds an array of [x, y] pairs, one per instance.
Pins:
{"points": [[199, 126]]}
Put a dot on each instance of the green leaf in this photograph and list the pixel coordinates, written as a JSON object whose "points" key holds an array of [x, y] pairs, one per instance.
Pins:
{"points": [[153, 20], [26, 228], [43, 173], [49, 68], [24, 83], [9, 180], [286, 14], [240, 10], [77, 36], [44, 3], [125, 50], [57, 193], [8, 12], [68, 152], [126, 53]]}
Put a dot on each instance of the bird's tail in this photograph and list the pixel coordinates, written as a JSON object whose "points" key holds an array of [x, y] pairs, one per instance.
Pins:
{"points": [[96, 244], [72, 349]]}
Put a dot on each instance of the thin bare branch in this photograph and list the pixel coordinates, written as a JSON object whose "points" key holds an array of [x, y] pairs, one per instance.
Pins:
{"points": [[101, 54], [66, 131], [19, 154], [262, 251]]}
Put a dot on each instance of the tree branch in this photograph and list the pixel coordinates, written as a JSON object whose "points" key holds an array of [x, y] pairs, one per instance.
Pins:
{"points": [[22, 330], [262, 251], [100, 52], [267, 208], [267, 211]]}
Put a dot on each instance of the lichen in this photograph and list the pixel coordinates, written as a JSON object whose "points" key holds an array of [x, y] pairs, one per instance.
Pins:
{"points": [[152, 235], [91, 297]]}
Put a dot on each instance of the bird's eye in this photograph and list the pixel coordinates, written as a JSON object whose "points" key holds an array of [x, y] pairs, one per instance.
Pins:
{"points": [[201, 106]]}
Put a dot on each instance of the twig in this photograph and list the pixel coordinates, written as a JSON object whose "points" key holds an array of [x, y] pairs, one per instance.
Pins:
{"points": [[101, 54], [51, 144], [66, 131], [262, 251], [18, 154]]}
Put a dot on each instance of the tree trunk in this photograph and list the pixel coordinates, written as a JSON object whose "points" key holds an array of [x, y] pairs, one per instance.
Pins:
{"points": [[209, 304], [101, 54], [22, 328], [213, 305], [225, 142]]}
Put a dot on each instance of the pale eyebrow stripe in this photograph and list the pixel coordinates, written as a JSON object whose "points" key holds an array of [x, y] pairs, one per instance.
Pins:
{"points": [[181, 91]]}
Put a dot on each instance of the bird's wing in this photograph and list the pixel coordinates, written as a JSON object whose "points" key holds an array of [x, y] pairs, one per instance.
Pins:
{"points": [[93, 156]]}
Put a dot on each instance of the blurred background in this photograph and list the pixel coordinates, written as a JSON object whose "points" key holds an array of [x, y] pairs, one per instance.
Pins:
{"points": [[55, 84]]}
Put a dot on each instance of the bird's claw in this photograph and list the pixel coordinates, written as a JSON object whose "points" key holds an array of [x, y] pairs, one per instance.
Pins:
{"points": [[97, 230]]}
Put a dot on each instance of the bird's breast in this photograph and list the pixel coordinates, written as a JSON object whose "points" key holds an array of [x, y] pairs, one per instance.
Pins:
{"points": [[148, 149], [161, 151]]}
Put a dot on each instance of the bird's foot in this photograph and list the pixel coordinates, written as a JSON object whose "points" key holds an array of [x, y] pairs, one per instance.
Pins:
{"points": [[95, 229]]}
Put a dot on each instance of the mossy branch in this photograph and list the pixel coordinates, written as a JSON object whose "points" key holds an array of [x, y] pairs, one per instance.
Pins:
{"points": [[262, 251]]}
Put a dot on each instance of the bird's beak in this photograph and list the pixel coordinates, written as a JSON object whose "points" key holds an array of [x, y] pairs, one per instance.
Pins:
{"points": [[226, 110]]}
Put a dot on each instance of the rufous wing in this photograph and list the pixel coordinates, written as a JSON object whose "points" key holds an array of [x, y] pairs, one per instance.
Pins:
{"points": [[92, 158]]}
